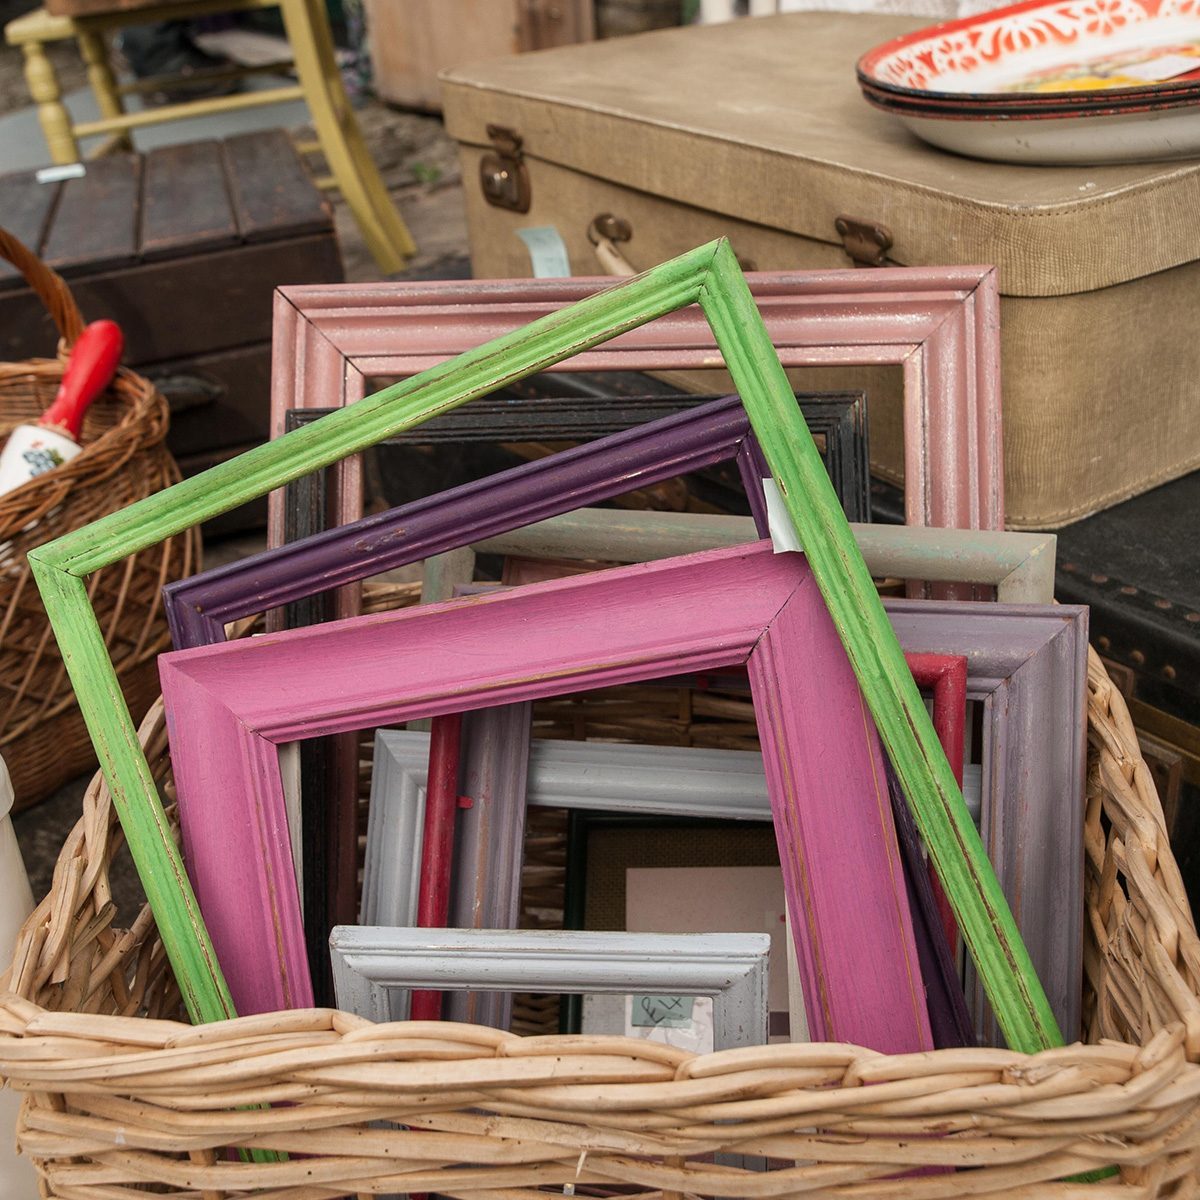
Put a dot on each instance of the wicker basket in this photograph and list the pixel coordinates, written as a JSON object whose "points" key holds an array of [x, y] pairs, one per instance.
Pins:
{"points": [[42, 735], [120, 1106]]}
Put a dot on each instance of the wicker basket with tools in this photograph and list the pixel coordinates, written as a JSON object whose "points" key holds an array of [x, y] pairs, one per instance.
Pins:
{"points": [[124, 457], [124, 1100]]}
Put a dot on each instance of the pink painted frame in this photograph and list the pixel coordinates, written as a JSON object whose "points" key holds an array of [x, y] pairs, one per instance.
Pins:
{"points": [[229, 707], [940, 325]]}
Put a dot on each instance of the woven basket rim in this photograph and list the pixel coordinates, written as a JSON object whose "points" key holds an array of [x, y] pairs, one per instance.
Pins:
{"points": [[1131, 1102]]}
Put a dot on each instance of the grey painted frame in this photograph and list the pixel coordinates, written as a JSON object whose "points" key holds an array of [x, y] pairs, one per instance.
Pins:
{"points": [[376, 967], [1019, 565], [1027, 667]]}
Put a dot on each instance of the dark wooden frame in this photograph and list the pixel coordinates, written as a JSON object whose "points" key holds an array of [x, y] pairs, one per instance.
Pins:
{"points": [[839, 417]]}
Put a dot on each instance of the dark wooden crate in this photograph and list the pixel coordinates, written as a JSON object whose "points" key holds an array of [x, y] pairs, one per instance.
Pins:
{"points": [[183, 246], [217, 400]]}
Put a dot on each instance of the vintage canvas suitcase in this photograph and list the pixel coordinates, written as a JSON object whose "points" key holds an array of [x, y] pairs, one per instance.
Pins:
{"points": [[756, 129], [183, 246]]}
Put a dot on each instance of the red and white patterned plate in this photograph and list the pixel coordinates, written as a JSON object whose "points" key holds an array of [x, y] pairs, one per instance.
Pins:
{"points": [[1072, 81], [1065, 50]]}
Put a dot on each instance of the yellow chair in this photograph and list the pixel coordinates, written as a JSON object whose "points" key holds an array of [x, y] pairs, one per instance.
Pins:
{"points": [[307, 26]]}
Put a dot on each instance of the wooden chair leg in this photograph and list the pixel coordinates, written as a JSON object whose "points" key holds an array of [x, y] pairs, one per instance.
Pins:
{"points": [[342, 144], [94, 51], [52, 113]]}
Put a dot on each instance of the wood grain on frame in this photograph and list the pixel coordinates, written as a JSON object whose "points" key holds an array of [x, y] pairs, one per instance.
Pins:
{"points": [[632, 623]]}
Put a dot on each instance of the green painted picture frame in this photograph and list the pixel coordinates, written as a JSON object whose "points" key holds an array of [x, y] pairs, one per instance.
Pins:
{"points": [[708, 276]]}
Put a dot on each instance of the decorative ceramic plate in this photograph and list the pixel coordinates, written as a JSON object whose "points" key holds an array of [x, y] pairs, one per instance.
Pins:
{"points": [[1066, 51], [1103, 104], [1074, 82]]}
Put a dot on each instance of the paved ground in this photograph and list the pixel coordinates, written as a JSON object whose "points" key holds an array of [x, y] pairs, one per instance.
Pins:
{"points": [[419, 165]]}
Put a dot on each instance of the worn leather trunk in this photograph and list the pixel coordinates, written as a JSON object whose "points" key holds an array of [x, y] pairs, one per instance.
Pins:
{"points": [[755, 129], [1138, 566], [183, 246]]}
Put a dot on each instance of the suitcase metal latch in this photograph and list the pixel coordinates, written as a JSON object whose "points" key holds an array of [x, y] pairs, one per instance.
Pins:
{"points": [[866, 242], [503, 174]]}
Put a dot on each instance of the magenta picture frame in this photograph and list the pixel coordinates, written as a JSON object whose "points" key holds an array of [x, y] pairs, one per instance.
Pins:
{"points": [[744, 605]]}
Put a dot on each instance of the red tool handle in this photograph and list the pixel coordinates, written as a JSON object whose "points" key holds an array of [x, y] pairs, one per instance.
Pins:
{"points": [[92, 364]]}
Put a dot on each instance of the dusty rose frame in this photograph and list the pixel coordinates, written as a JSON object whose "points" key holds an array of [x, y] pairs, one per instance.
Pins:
{"points": [[724, 607], [941, 325]]}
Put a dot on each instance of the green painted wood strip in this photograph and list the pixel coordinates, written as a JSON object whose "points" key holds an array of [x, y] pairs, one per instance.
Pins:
{"points": [[134, 794], [60, 565], [507, 359], [903, 722]]}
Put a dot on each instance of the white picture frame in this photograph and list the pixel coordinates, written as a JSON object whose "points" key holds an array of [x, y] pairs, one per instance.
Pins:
{"points": [[375, 969]]}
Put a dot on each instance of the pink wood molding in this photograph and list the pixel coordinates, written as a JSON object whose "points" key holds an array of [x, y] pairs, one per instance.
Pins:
{"points": [[230, 705], [940, 325]]}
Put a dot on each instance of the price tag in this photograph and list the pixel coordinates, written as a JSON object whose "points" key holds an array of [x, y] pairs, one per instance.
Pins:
{"points": [[652, 1012], [547, 252], [779, 521]]}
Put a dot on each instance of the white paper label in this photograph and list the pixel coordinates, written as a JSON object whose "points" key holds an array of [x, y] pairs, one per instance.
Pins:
{"points": [[1166, 66], [547, 252], [784, 537]]}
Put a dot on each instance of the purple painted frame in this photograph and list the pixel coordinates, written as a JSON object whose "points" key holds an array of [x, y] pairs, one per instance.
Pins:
{"points": [[941, 325], [199, 607], [841, 867]]}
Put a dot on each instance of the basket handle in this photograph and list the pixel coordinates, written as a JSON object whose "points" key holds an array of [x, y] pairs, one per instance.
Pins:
{"points": [[48, 284]]}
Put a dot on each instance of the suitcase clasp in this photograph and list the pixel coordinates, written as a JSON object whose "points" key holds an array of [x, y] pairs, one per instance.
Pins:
{"points": [[866, 242], [503, 174]]}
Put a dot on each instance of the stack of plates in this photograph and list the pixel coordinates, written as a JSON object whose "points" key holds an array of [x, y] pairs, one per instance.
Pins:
{"points": [[1074, 81]]}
